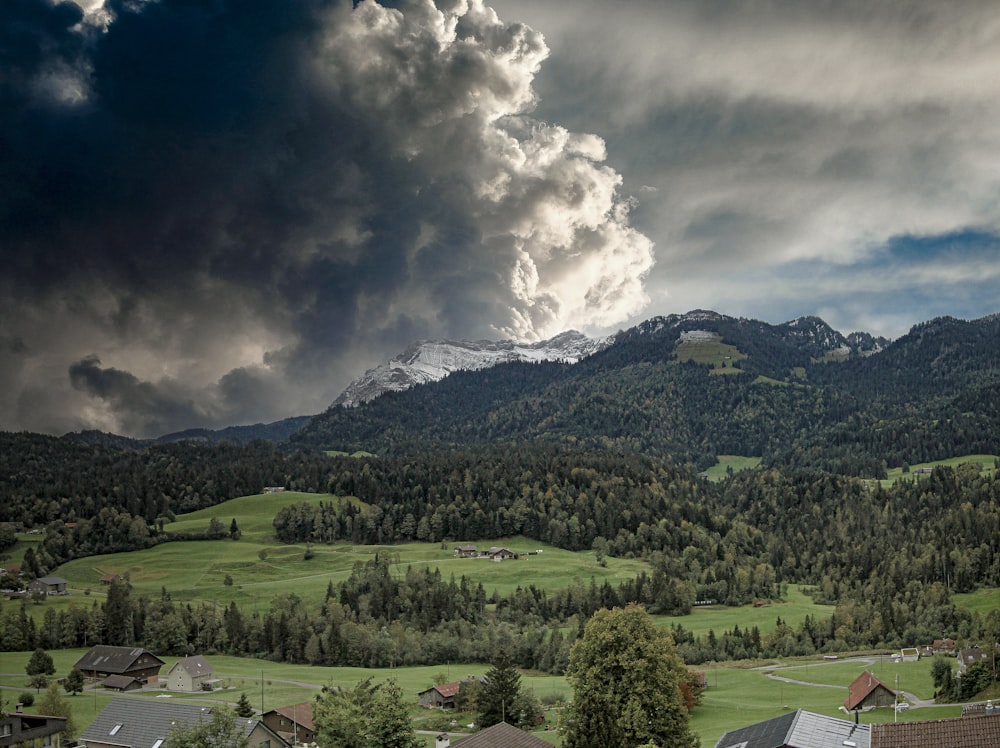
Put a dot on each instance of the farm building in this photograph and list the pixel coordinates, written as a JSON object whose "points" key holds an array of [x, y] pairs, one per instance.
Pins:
{"points": [[49, 586], [293, 723], [868, 692], [137, 723], [103, 660], [444, 696], [466, 551], [500, 554], [191, 674]]}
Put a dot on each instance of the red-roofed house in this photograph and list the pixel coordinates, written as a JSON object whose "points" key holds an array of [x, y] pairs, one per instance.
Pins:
{"points": [[868, 692], [444, 695]]}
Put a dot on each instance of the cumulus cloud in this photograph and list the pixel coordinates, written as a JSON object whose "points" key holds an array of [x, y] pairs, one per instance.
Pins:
{"points": [[780, 133], [216, 213]]}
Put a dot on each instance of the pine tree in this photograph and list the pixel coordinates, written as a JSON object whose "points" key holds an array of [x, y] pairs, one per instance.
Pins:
{"points": [[243, 707], [499, 691]]}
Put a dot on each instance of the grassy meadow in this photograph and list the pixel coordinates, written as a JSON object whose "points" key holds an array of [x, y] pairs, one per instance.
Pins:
{"points": [[720, 356], [986, 463], [720, 469]]}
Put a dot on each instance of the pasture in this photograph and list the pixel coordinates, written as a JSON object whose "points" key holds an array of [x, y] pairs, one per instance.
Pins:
{"points": [[986, 464], [980, 601], [712, 351], [725, 463]]}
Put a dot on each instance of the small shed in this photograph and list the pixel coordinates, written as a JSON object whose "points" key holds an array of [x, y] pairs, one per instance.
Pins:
{"points": [[49, 586], [121, 683]]}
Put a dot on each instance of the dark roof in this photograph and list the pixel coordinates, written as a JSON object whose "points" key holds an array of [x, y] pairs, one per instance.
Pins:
{"points": [[141, 723], [103, 658], [52, 580], [502, 735], [194, 666], [968, 732], [119, 682], [861, 688], [798, 729]]}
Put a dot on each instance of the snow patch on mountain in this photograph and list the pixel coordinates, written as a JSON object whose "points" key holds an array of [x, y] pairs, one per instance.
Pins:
{"points": [[431, 361]]}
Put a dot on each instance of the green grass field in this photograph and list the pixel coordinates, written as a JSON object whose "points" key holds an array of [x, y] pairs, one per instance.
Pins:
{"points": [[720, 470], [986, 463], [980, 601], [721, 356]]}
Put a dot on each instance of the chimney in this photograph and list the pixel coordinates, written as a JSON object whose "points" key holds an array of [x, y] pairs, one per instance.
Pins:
{"points": [[442, 741], [19, 708]]}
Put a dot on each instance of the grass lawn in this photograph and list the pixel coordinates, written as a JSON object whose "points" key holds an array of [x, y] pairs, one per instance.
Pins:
{"points": [[721, 356], [987, 464], [720, 470], [718, 618], [980, 601]]}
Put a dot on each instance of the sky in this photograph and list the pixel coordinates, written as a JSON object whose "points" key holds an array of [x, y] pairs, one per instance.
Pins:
{"points": [[220, 212]]}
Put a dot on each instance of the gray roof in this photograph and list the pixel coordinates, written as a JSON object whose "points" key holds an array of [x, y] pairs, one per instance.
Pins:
{"points": [[104, 658], [141, 722], [799, 729], [195, 666]]}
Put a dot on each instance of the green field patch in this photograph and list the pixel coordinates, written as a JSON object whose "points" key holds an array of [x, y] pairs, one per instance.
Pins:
{"points": [[730, 464], [709, 349], [980, 601], [254, 514], [985, 463], [719, 618]]}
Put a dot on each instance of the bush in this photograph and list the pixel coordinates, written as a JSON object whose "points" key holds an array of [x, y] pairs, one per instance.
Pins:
{"points": [[27, 698]]}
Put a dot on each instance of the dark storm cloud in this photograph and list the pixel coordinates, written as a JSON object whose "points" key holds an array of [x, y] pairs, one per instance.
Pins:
{"points": [[238, 205]]}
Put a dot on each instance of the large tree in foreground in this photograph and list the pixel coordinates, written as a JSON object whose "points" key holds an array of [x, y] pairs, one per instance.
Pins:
{"points": [[626, 677]]}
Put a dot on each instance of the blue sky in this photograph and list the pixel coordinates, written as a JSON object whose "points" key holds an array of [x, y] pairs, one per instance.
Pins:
{"points": [[221, 212]]}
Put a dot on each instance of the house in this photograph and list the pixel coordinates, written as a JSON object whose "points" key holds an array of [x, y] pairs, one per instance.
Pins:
{"points": [[49, 586], [138, 723], [293, 723], [868, 692], [968, 732], [466, 551], [191, 674], [103, 660], [799, 729], [500, 735], [445, 695], [107, 579], [943, 646], [499, 554], [20, 729], [971, 656]]}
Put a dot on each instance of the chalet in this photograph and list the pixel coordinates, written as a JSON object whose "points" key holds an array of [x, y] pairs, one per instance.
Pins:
{"points": [[868, 692], [293, 723], [798, 729], [108, 579], [971, 656], [137, 723], [466, 551], [103, 660], [943, 646], [49, 586], [20, 729], [273, 489], [191, 674], [500, 554], [445, 695], [500, 735]]}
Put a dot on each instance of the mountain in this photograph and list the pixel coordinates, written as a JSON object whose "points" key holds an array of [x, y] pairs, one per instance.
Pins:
{"points": [[431, 361], [690, 387]]}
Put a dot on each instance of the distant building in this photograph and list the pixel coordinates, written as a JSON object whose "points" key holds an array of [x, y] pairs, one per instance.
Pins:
{"points": [[466, 551], [49, 586], [190, 674], [445, 695], [500, 735], [500, 554], [104, 660], [272, 489]]}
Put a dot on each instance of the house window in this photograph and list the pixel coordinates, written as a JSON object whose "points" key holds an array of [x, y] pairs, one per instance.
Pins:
{"points": [[115, 729], [6, 730], [158, 743]]}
